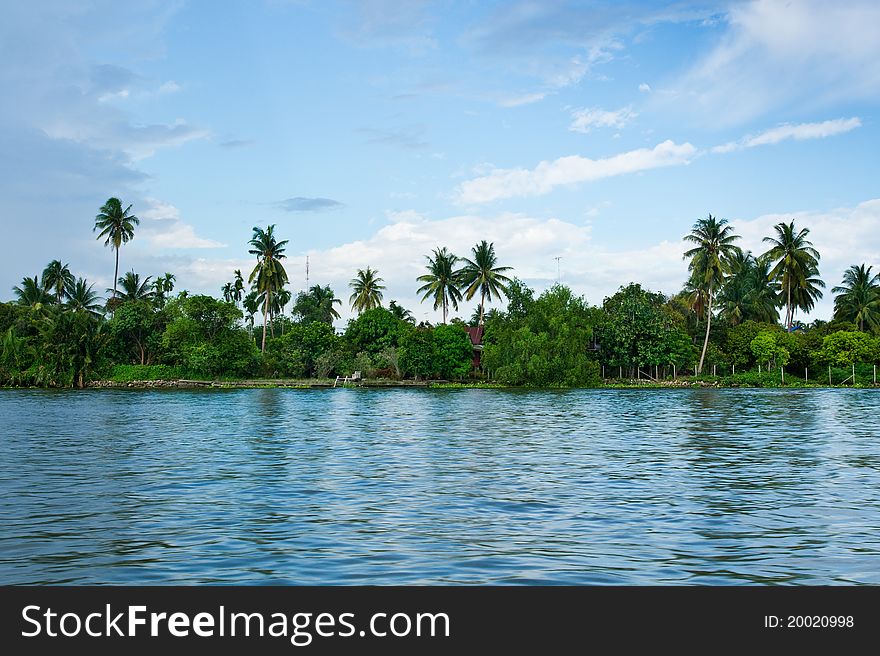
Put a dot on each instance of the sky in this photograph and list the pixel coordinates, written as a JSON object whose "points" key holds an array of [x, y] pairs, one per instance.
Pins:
{"points": [[371, 132]]}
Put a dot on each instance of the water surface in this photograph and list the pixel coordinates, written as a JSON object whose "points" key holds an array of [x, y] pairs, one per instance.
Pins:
{"points": [[415, 486]]}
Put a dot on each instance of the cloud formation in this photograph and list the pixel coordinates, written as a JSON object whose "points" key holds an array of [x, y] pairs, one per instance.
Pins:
{"points": [[574, 169], [304, 204], [797, 132], [584, 120]]}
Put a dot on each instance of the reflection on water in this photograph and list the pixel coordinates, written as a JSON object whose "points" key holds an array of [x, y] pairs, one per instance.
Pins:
{"points": [[440, 486]]}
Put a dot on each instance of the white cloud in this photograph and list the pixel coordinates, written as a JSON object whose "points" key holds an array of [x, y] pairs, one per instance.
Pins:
{"points": [[775, 54], [511, 183], [797, 132], [584, 120], [169, 87], [161, 224], [525, 99], [645, 88]]}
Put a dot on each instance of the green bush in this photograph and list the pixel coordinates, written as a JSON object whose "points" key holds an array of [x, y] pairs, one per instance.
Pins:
{"points": [[127, 373]]}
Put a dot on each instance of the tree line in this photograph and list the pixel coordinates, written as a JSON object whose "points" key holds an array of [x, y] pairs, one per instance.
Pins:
{"points": [[58, 331]]}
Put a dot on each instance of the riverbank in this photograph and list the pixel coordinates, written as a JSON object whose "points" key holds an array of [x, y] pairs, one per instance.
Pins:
{"points": [[643, 383]]}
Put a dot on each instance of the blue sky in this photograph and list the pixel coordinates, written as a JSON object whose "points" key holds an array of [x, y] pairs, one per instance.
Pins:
{"points": [[371, 132]]}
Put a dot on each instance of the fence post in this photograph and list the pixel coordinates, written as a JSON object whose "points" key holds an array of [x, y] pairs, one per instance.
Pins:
{"points": [[854, 374], [621, 372], [714, 375], [782, 371], [806, 374], [673, 371], [603, 372], [829, 375], [875, 374], [734, 370]]}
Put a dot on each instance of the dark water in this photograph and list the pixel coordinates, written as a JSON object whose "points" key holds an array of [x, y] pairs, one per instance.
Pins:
{"points": [[443, 486]]}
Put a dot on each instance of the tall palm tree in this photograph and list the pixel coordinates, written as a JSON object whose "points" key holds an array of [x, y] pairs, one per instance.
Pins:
{"points": [[441, 281], [858, 297], [805, 294], [268, 275], [711, 261], [57, 278], [481, 274], [251, 305], [748, 293], [162, 287], [366, 290], [133, 288], [81, 298], [795, 261], [227, 292], [280, 299], [763, 295], [31, 293], [237, 287], [117, 226]]}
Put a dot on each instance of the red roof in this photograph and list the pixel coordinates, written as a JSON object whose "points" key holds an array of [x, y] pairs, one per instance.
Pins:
{"points": [[476, 334]]}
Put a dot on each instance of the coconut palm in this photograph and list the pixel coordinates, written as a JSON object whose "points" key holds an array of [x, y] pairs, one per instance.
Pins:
{"points": [[237, 287], [81, 298], [57, 278], [268, 275], [162, 287], [807, 291], [117, 226], [366, 290], [31, 293], [227, 292], [711, 260], [317, 305], [481, 274], [748, 294], [401, 312], [795, 260], [441, 281], [251, 305], [133, 288], [858, 298]]}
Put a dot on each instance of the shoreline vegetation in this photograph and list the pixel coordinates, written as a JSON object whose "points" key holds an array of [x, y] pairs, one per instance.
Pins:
{"points": [[722, 329]]}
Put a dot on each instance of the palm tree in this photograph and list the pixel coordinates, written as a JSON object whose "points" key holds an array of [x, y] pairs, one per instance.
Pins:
{"points": [[795, 261], [280, 299], [317, 305], [711, 260], [366, 290], [748, 294], [807, 292], [482, 275], [31, 293], [162, 287], [441, 281], [269, 274], [858, 298], [117, 225], [81, 298], [401, 312], [251, 305], [58, 278], [133, 288], [237, 287], [227, 292]]}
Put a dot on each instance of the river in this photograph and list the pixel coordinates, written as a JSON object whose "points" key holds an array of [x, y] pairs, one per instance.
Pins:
{"points": [[416, 486]]}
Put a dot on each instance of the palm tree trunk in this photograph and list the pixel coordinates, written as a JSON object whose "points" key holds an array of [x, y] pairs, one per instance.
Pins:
{"points": [[788, 307], [115, 276], [482, 305], [706, 339], [444, 308], [265, 321]]}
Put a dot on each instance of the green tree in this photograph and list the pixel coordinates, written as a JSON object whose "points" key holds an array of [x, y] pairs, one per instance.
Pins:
{"points": [[795, 265], [441, 281], [401, 312], [366, 289], [374, 330], [317, 304], [134, 289], [116, 228], [57, 278], [417, 352], [481, 274], [766, 348], [453, 351], [710, 262], [269, 274], [137, 330], [846, 348], [32, 294], [82, 298], [858, 298]]}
